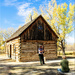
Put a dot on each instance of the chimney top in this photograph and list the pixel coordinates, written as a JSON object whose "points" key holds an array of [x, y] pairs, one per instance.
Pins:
{"points": [[31, 17]]}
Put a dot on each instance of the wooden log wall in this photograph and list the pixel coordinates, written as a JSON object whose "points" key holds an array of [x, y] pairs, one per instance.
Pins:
{"points": [[50, 50], [15, 54], [29, 50]]}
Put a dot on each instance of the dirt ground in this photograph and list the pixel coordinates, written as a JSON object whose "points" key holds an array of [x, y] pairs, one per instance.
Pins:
{"points": [[31, 69]]}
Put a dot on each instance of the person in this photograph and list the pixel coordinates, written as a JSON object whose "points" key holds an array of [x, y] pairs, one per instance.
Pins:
{"points": [[41, 57], [64, 65]]}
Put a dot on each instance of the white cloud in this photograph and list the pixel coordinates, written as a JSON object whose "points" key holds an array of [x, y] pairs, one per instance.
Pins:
{"points": [[70, 40], [9, 2], [25, 9]]}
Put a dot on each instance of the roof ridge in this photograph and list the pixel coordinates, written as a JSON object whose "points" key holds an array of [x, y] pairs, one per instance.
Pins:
{"points": [[25, 26]]}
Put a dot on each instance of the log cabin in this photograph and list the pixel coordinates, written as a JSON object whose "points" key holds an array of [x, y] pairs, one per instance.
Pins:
{"points": [[23, 45]]}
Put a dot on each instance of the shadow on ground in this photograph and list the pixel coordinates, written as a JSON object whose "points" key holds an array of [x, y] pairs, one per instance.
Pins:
{"points": [[29, 69], [26, 70]]}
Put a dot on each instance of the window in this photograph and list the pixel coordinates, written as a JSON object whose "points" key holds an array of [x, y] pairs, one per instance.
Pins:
{"points": [[40, 31]]}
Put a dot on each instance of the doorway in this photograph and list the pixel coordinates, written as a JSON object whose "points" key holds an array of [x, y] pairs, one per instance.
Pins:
{"points": [[10, 51]]}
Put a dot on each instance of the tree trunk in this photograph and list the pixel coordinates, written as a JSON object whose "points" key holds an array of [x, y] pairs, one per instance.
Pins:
{"points": [[63, 48]]}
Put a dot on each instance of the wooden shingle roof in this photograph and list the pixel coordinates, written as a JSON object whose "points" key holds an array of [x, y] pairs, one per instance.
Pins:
{"points": [[20, 30]]}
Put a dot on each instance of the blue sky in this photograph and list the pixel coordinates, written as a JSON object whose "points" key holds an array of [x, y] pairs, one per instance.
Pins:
{"points": [[14, 12]]}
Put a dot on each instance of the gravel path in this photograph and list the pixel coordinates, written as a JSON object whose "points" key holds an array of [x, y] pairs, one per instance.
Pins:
{"points": [[8, 67]]}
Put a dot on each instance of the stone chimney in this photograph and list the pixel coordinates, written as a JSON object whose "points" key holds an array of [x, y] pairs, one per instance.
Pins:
{"points": [[31, 17]]}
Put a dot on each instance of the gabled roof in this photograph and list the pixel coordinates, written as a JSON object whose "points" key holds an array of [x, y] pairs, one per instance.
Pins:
{"points": [[23, 28]]}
